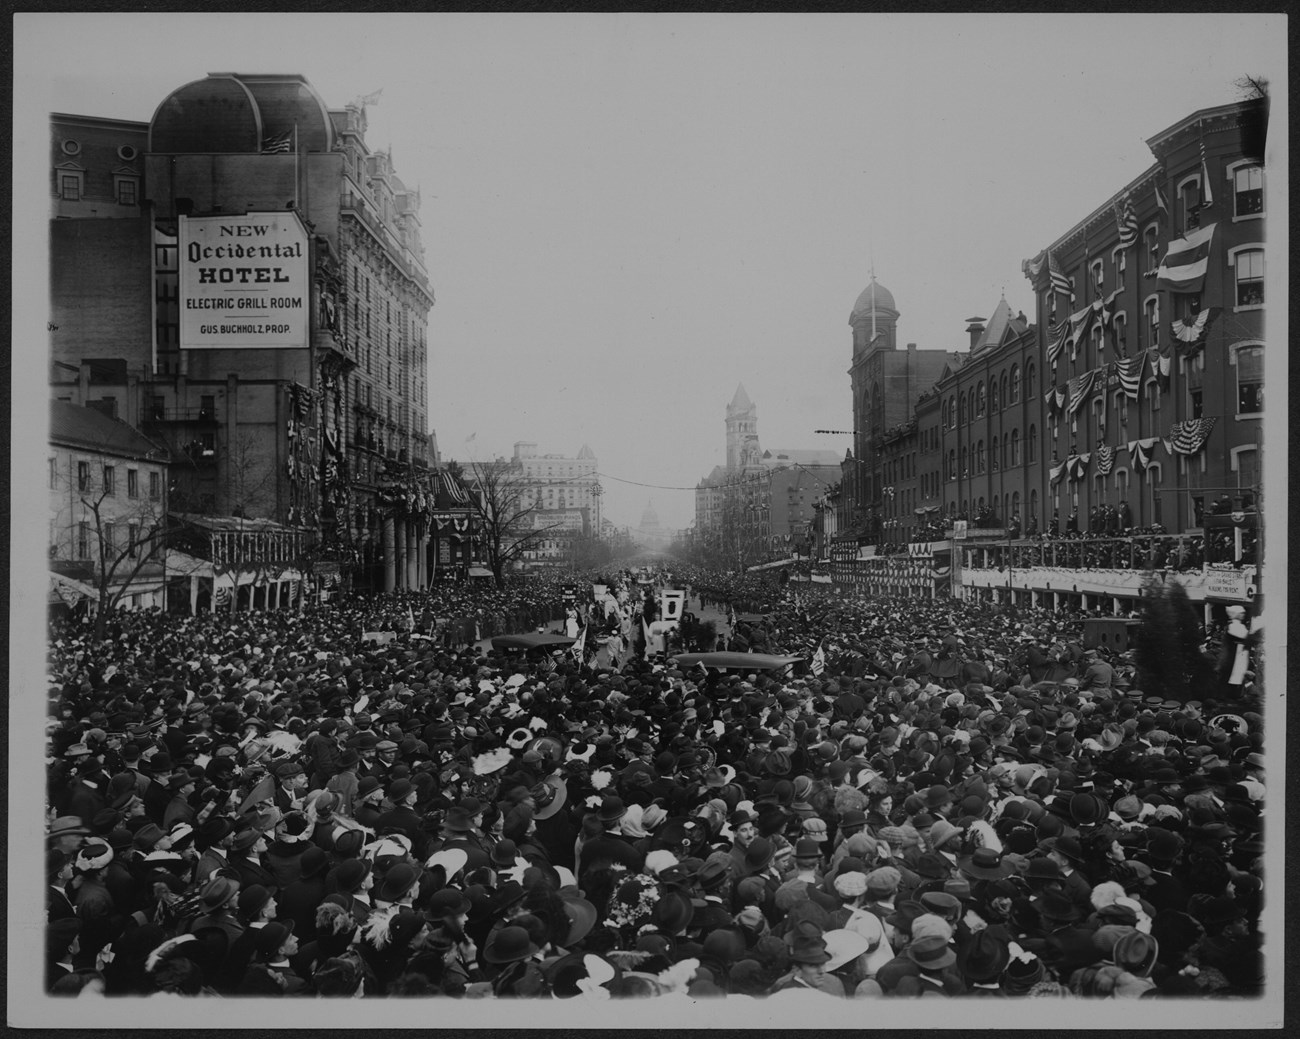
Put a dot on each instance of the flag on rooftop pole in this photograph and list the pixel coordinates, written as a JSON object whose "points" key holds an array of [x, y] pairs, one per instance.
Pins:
{"points": [[278, 143], [1207, 193]]}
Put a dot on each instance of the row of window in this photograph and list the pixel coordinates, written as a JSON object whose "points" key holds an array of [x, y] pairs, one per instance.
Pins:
{"points": [[85, 540], [72, 187], [109, 480], [959, 409]]}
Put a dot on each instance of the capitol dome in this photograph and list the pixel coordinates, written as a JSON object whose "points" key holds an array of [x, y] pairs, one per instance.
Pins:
{"points": [[874, 297]]}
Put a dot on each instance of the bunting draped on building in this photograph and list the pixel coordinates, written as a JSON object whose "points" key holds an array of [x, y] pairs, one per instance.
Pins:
{"points": [[1105, 459], [1140, 453], [1056, 472], [1081, 387], [1129, 371], [1162, 366], [448, 483], [1191, 331], [1032, 268], [1076, 466], [1186, 438], [1056, 398], [1081, 321], [1127, 222], [1186, 261]]}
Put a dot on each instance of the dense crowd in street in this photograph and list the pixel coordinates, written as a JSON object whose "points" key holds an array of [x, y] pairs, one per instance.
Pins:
{"points": [[943, 800]]}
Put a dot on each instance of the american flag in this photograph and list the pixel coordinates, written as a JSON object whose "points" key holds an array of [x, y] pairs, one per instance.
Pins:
{"points": [[1060, 281], [1128, 224], [277, 143], [1161, 203]]}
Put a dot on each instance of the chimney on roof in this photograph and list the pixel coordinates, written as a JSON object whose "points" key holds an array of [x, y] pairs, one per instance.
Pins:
{"points": [[975, 329]]}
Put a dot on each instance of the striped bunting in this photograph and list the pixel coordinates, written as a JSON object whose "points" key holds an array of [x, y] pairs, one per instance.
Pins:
{"points": [[1186, 261], [1105, 460], [1140, 452], [1186, 438], [1191, 331]]}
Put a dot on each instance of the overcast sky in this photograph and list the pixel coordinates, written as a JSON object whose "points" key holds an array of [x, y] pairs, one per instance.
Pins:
{"points": [[627, 215]]}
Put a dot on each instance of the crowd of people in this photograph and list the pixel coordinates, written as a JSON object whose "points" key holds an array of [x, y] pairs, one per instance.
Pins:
{"points": [[941, 801]]}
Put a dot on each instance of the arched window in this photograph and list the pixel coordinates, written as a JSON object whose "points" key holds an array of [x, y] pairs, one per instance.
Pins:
{"points": [[961, 408], [1249, 362], [1032, 449], [1015, 504], [952, 465], [1152, 389], [993, 395], [1015, 384], [952, 412], [965, 469], [980, 401], [1031, 381], [1015, 447], [979, 457], [1005, 399], [1033, 504], [1151, 308]]}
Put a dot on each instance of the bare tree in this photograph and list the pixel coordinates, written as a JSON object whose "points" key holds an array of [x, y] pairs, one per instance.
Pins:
{"points": [[509, 521], [126, 542], [1251, 87]]}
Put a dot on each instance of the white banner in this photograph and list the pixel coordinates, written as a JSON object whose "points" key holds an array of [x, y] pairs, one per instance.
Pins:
{"points": [[1228, 584], [243, 282]]}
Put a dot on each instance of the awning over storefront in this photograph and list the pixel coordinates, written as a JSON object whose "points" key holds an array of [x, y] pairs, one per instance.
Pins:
{"points": [[479, 571], [181, 564]]}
